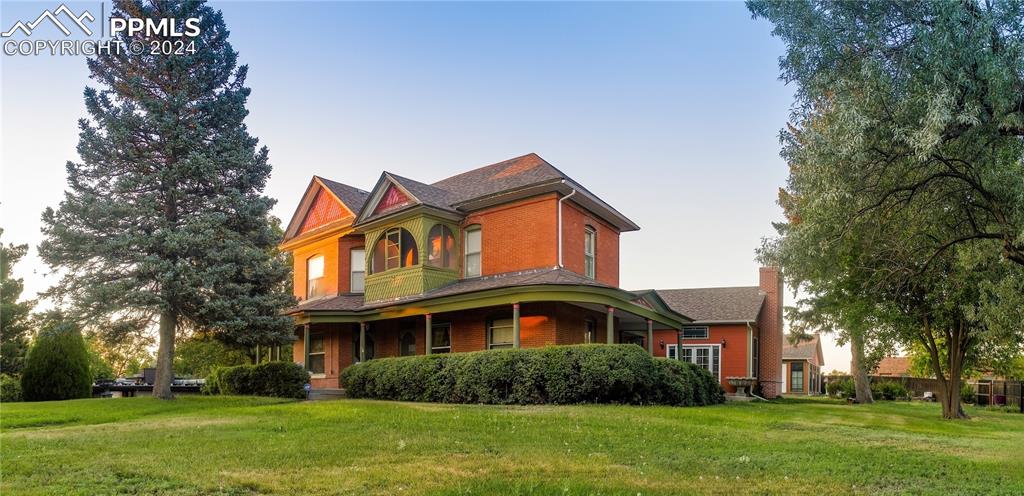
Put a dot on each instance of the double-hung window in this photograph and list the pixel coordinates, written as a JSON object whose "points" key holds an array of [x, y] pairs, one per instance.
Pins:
{"points": [[441, 341], [499, 333], [472, 243], [357, 278], [316, 354], [315, 277], [589, 252]]}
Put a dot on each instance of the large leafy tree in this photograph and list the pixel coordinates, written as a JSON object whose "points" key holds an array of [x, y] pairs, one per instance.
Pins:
{"points": [[904, 199], [921, 96], [14, 314], [164, 219]]}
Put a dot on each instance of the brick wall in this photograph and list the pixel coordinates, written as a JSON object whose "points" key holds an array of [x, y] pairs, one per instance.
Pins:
{"points": [[770, 325], [574, 221], [570, 327], [733, 357], [517, 236]]}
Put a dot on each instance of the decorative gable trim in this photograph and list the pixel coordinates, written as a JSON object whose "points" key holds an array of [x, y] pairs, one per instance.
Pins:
{"points": [[386, 197], [319, 207]]}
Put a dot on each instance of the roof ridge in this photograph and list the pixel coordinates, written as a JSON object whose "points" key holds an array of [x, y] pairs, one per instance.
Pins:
{"points": [[705, 288], [534, 154], [322, 178]]}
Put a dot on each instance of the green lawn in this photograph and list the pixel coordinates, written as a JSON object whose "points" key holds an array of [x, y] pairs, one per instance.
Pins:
{"points": [[210, 445]]}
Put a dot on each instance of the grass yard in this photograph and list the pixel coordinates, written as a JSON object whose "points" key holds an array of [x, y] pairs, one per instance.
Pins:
{"points": [[216, 445]]}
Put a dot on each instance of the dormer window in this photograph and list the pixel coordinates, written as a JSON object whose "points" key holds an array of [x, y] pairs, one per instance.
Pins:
{"points": [[315, 277], [395, 248], [589, 252], [441, 244]]}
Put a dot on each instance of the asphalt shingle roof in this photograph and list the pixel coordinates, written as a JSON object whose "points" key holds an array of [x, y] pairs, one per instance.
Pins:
{"points": [[353, 198], [503, 176], [552, 276], [803, 350], [738, 304]]}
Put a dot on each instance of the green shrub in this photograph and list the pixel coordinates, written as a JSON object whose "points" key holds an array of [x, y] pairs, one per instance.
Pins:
{"points": [[841, 388], [967, 393], [10, 388], [889, 390], [279, 379], [555, 374], [57, 366]]}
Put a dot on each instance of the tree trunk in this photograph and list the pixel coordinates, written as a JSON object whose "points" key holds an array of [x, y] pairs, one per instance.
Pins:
{"points": [[861, 382], [949, 388], [165, 356]]}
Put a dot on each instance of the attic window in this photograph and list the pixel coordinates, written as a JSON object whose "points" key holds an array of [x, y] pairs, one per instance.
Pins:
{"points": [[395, 248]]}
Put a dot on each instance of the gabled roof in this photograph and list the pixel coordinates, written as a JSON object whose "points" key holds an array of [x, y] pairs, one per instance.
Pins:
{"points": [[417, 193], [715, 305], [893, 366], [809, 349], [353, 198], [348, 197]]}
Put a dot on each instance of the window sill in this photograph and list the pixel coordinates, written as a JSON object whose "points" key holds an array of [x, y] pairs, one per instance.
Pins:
{"points": [[317, 376]]}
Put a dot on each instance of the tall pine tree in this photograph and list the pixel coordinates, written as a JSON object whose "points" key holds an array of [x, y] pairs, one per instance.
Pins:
{"points": [[164, 219], [14, 314]]}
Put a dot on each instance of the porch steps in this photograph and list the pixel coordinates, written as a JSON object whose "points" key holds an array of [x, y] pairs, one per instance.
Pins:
{"points": [[326, 394]]}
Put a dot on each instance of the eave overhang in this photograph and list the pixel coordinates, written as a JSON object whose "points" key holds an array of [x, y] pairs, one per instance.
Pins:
{"points": [[617, 298]]}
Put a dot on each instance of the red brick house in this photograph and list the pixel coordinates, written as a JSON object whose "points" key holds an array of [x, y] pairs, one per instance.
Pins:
{"points": [[801, 367], [513, 254]]}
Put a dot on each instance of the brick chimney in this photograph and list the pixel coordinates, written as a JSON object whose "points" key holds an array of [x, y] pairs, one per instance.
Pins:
{"points": [[770, 325]]}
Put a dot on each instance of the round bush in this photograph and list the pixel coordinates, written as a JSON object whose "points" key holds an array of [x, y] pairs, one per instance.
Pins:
{"points": [[555, 374], [278, 379], [57, 366], [10, 388]]}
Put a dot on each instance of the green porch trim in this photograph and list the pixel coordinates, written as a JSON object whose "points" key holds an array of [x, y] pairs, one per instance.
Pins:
{"points": [[496, 297]]}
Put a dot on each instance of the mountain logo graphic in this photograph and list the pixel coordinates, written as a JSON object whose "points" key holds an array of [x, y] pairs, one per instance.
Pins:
{"points": [[52, 16]]}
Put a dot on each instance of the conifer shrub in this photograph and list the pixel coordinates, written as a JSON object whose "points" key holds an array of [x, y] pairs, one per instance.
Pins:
{"points": [[57, 366], [623, 374]]}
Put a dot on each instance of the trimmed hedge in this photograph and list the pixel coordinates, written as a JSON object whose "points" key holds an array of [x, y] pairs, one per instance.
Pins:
{"points": [[592, 373], [279, 379]]}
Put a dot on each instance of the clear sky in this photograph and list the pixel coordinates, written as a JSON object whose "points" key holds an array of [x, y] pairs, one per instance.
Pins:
{"points": [[668, 111]]}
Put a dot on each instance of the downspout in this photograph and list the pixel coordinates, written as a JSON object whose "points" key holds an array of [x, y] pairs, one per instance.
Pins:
{"points": [[560, 200]]}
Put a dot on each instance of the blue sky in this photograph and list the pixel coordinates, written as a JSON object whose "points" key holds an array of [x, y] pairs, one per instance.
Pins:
{"points": [[668, 111]]}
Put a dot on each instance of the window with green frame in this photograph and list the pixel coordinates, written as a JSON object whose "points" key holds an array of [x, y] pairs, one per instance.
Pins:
{"points": [[395, 248]]}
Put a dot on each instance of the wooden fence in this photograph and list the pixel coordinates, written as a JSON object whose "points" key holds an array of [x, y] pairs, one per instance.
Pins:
{"points": [[986, 393]]}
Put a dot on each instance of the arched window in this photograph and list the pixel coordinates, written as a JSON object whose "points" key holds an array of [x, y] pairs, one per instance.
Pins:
{"points": [[395, 248], [441, 246]]}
